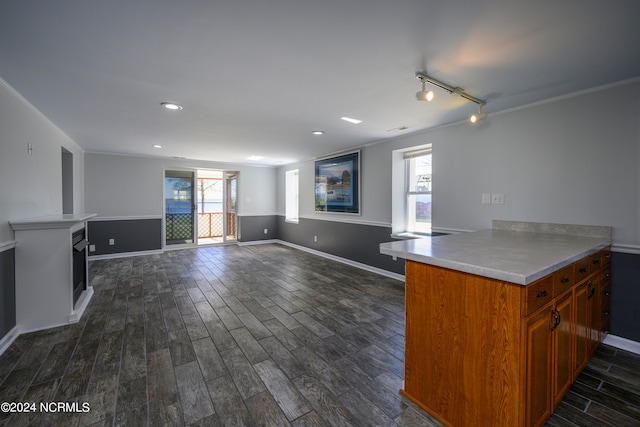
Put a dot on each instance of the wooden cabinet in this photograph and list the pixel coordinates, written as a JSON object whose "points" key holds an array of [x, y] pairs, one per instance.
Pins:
{"points": [[549, 355], [539, 350], [562, 335], [484, 352], [462, 355], [593, 308], [582, 326], [605, 303], [605, 293]]}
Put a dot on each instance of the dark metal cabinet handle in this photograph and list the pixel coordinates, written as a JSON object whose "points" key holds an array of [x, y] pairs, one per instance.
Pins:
{"points": [[583, 270], [565, 280], [542, 294], [592, 289]]}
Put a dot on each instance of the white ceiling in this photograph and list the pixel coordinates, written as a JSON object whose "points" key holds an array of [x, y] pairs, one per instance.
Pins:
{"points": [[255, 77]]}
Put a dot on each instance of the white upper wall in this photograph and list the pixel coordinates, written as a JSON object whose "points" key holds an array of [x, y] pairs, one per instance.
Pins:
{"points": [[570, 160], [31, 184], [129, 186], [574, 160]]}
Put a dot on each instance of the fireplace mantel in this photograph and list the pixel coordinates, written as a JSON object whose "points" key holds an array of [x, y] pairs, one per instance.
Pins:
{"points": [[50, 221]]}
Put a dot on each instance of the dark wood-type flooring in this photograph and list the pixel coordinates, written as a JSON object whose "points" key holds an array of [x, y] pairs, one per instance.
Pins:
{"points": [[261, 335]]}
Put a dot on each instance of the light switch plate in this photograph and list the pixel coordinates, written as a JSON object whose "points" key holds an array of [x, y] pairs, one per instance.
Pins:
{"points": [[486, 198]]}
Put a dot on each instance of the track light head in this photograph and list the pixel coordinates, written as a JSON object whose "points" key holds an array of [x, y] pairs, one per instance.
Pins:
{"points": [[475, 118], [424, 95]]}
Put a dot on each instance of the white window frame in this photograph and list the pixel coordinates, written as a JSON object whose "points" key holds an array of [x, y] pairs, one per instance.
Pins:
{"points": [[412, 190], [292, 196]]}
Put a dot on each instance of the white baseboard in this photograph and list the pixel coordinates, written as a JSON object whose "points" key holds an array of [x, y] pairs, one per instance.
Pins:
{"points": [[81, 305], [356, 264], [622, 343], [124, 254], [259, 242], [9, 338]]}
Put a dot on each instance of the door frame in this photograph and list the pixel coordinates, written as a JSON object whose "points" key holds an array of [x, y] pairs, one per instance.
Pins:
{"points": [[225, 207]]}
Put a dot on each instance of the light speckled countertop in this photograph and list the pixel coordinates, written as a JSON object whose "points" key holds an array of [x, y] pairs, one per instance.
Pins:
{"points": [[520, 257]]}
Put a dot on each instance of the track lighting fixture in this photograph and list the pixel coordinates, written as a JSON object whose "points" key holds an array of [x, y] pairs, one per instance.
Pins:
{"points": [[475, 118], [425, 95]]}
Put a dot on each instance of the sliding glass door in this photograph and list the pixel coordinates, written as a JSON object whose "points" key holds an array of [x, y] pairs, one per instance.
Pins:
{"points": [[200, 207], [179, 207]]}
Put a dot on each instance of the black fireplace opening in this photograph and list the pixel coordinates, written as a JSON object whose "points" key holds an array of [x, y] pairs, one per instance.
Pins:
{"points": [[79, 248]]}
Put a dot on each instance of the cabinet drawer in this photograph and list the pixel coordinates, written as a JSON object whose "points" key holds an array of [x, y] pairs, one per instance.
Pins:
{"points": [[605, 297], [582, 269], [563, 279], [538, 294], [604, 321], [595, 262], [606, 256], [606, 276]]}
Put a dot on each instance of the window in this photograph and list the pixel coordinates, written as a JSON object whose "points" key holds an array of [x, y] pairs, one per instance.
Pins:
{"points": [[418, 190], [291, 196]]}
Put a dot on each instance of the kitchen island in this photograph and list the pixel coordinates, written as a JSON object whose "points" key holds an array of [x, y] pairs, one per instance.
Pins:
{"points": [[500, 322]]}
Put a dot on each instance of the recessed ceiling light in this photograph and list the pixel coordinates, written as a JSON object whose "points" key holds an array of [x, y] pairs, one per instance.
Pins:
{"points": [[350, 120], [171, 106], [318, 132], [255, 157], [157, 146], [399, 128]]}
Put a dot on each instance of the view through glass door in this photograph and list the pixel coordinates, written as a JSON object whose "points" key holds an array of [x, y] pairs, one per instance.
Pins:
{"points": [[231, 197], [216, 205], [179, 207]]}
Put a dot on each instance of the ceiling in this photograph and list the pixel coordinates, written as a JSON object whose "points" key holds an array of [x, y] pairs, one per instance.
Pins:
{"points": [[256, 77]]}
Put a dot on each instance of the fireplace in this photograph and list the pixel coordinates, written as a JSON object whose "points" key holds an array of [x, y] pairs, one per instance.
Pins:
{"points": [[52, 287], [79, 249]]}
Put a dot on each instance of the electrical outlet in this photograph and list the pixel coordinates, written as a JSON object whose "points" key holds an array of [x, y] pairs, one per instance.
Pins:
{"points": [[92, 248], [315, 238], [497, 199], [112, 242], [265, 231]]}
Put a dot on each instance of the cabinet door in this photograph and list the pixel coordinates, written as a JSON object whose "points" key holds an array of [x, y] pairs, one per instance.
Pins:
{"points": [[562, 346], [593, 304], [582, 326], [605, 302], [539, 364]]}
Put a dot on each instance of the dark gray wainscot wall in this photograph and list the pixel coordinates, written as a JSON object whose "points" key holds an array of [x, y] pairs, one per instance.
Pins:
{"points": [[7, 290], [130, 235], [351, 241], [625, 295]]}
